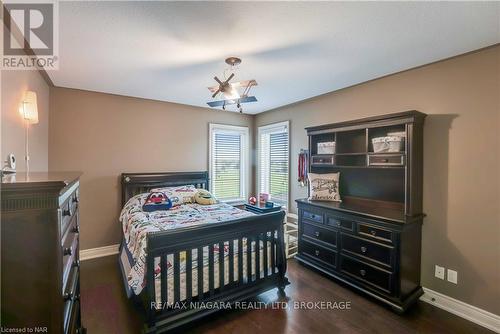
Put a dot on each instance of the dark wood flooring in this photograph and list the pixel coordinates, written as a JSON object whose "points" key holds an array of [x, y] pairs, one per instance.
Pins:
{"points": [[106, 309]]}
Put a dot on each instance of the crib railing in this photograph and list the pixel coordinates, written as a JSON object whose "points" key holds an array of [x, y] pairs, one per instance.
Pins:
{"points": [[222, 262]]}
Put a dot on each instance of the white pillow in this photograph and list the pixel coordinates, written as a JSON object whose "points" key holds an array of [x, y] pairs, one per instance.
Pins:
{"points": [[324, 187]]}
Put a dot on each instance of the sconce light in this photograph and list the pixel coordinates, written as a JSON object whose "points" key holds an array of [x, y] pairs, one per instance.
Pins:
{"points": [[29, 108], [29, 112]]}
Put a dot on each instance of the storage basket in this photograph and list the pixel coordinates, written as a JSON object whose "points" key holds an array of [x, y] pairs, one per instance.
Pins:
{"points": [[326, 147], [388, 144]]}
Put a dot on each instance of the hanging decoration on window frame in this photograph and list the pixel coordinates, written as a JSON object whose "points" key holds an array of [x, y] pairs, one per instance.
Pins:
{"points": [[303, 163]]}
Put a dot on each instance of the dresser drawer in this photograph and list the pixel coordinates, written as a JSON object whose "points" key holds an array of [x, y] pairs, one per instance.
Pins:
{"points": [[72, 229], [71, 285], [367, 274], [386, 160], [320, 234], [313, 216], [68, 211], [72, 317], [318, 253], [367, 249], [375, 233], [340, 223], [70, 254]]}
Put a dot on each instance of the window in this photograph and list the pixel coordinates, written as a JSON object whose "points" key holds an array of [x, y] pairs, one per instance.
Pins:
{"points": [[228, 161], [273, 166]]}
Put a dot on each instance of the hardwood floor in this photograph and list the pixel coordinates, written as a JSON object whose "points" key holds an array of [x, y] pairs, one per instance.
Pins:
{"points": [[106, 309]]}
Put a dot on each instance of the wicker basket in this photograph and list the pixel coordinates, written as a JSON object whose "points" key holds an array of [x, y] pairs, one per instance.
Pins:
{"points": [[388, 144]]}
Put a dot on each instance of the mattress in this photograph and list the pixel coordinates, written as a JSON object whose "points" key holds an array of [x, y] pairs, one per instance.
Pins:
{"points": [[137, 224]]}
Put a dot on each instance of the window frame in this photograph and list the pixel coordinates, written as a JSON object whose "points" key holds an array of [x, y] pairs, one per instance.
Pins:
{"points": [[266, 128], [244, 156]]}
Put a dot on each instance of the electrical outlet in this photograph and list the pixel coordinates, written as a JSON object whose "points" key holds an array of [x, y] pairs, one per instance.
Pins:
{"points": [[439, 272], [452, 276]]}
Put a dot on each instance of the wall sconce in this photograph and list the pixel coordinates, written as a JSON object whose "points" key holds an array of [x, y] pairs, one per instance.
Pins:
{"points": [[29, 112]]}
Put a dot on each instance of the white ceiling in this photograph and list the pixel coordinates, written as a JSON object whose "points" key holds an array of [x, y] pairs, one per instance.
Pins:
{"points": [[170, 51]]}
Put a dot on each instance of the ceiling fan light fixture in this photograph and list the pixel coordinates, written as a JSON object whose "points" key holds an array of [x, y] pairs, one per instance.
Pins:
{"points": [[231, 93]]}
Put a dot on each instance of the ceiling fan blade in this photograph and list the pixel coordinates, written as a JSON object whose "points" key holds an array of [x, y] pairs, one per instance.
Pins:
{"points": [[216, 92], [230, 77], [217, 79]]}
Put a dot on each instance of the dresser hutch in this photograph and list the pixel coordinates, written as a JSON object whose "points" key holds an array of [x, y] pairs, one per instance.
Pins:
{"points": [[371, 240]]}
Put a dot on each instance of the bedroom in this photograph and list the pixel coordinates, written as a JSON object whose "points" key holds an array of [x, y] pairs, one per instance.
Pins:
{"points": [[391, 107]]}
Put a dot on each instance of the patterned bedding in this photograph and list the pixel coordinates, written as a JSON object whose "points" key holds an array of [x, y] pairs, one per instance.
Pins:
{"points": [[137, 224]]}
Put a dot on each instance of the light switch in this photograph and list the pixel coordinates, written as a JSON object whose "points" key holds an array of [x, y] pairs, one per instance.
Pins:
{"points": [[452, 276]]}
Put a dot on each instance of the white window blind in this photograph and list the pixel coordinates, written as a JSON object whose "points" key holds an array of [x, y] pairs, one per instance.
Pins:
{"points": [[274, 161], [228, 156]]}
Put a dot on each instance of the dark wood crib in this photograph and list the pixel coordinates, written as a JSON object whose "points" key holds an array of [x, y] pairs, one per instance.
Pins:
{"points": [[265, 230]]}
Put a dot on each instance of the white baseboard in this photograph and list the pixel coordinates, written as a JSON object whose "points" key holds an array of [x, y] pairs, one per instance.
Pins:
{"points": [[92, 253], [463, 310]]}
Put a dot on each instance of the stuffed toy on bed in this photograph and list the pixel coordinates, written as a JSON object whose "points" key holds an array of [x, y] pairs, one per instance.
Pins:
{"points": [[155, 201], [204, 197]]}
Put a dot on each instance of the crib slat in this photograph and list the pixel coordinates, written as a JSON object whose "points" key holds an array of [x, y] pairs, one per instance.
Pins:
{"points": [[273, 253], [221, 265], [211, 269], [177, 276], [249, 260], [240, 261], [266, 260], [150, 281], [231, 262], [257, 257], [200, 273], [164, 279], [189, 274]]}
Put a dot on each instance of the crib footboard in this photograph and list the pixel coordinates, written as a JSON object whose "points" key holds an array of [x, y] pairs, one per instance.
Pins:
{"points": [[191, 269]]}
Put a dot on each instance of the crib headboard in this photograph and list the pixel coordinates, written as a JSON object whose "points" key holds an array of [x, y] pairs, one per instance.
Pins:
{"points": [[136, 183]]}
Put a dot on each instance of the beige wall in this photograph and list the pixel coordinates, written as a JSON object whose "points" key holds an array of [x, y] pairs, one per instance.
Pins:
{"points": [[461, 161], [14, 84], [105, 135]]}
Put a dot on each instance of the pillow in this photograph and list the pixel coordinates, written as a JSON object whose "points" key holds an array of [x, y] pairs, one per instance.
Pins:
{"points": [[155, 201], [178, 195], [204, 197], [324, 187]]}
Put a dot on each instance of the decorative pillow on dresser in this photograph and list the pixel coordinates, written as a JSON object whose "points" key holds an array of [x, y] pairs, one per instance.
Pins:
{"points": [[324, 187]]}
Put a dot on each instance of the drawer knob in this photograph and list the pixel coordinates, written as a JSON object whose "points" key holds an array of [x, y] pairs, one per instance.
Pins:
{"points": [[67, 251], [313, 216], [316, 252], [363, 249], [316, 234], [338, 223], [67, 296], [362, 272], [67, 212], [385, 160], [373, 232]]}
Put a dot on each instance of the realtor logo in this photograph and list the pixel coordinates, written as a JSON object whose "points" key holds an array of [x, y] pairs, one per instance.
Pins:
{"points": [[30, 35]]}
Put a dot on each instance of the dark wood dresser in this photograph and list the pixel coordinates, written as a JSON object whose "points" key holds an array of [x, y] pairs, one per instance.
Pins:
{"points": [[372, 239], [40, 264]]}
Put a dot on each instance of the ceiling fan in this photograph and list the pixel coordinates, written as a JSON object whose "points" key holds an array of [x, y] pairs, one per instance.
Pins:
{"points": [[232, 92]]}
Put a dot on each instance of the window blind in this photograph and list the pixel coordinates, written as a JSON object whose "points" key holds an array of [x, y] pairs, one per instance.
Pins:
{"points": [[227, 162], [274, 162]]}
